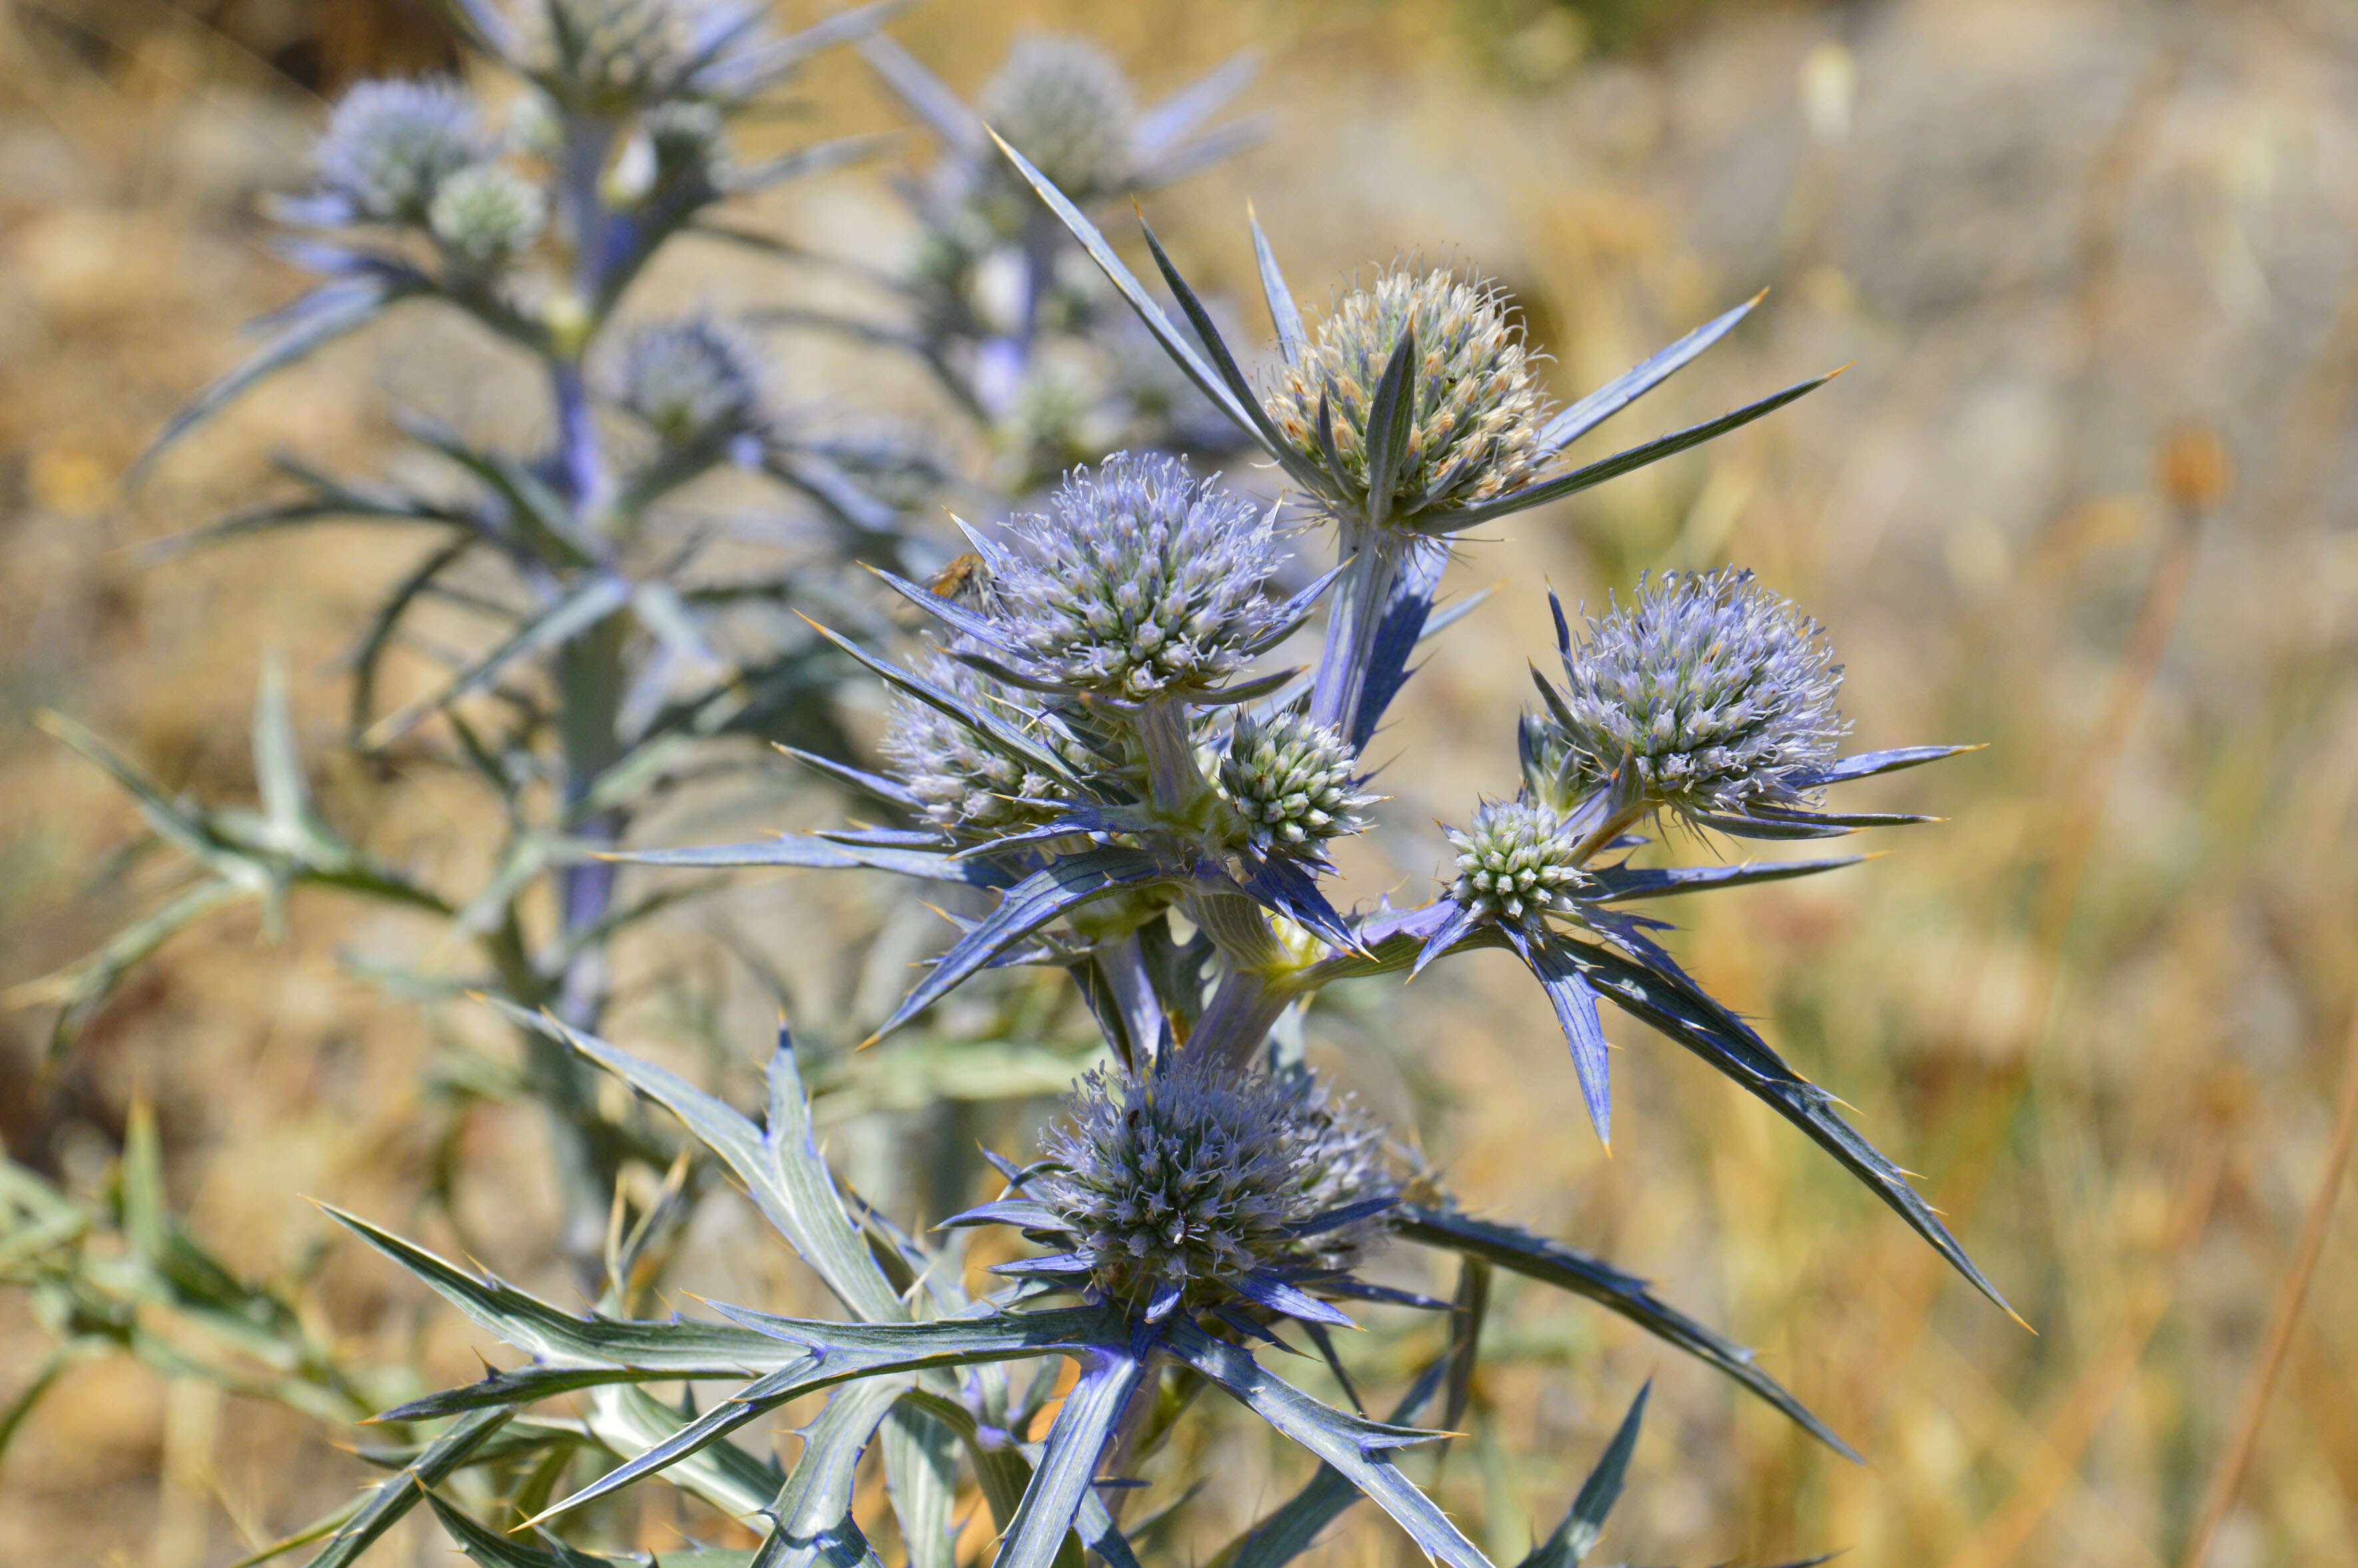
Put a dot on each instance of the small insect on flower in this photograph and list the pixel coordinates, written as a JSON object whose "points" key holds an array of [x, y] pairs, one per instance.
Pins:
{"points": [[1474, 416], [1139, 583], [966, 580], [694, 380], [1187, 1186], [1708, 695], [389, 146], [1291, 781], [1516, 863]]}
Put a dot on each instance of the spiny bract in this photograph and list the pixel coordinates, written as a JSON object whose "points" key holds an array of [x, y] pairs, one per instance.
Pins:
{"points": [[1190, 1180], [1516, 862], [1291, 781], [693, 379], [1065, 106], [1716, 694], [389, 145], [1139, 583], [1475, 421]]}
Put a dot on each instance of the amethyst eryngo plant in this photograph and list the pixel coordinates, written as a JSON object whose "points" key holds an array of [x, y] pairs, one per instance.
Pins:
{"points": [[1092, 754], [608, 659]]}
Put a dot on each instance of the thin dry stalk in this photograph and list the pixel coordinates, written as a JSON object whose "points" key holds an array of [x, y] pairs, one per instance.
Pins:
{"points": [[2228, 1478]]}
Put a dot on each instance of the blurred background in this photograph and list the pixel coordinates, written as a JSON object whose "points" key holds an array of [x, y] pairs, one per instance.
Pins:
{"points": [[2083, 496]]}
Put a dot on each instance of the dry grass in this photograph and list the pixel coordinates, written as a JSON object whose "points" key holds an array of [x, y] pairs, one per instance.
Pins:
{"points": [[2071, 247]]}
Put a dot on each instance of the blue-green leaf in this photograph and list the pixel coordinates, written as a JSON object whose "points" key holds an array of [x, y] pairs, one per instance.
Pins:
{"points": [[1068, 1460], [321, 316], [1053, 891], [781, 1166], [1290, 1530], [812, 1522], [683, 1347], [1621, 883], [1598, 473], [1391, 413], [1356, 1446], [1174, 343], [1647, 983], [1624, 389], [1577, 1536], [1867, 765], [985, 728], [488, 1549], [397, 1494], [1284, 316]]}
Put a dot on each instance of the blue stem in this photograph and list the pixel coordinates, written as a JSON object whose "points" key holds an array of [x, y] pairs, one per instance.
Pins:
{"points": [[1352, 621]]}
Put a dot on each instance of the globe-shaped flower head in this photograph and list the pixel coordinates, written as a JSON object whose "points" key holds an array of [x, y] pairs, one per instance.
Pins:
{"points": [[962, 784], [1185, 1186], [1709, 695], [1293, 782], [1516, 863], [389, 145], [1476, 415], [693, 379], [612, 56], [484, 213], [1064, 105], [1138, 584]]}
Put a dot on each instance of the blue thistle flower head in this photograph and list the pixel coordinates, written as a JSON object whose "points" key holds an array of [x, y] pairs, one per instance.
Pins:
{"points": [[964, 787], [1139, 583], [1187, 1185], [1293, 781], [1476, 414], [1064, 104], [694, 379], [1708, 695], [610, 57], [485, 213], [1517, 863], [389, 145]]}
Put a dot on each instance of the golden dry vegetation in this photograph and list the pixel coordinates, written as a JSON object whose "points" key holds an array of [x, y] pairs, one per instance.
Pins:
{"points": [[2083, 496]]}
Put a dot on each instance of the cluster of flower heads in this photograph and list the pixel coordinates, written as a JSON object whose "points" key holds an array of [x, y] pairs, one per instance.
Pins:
{"points": [[1708, 695], [1476, 412], [1139, 583], [1189, 1185]]}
